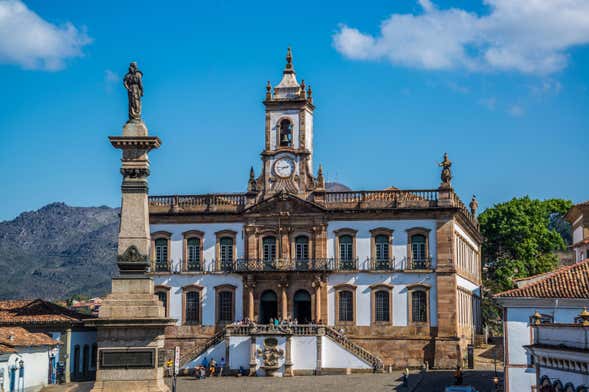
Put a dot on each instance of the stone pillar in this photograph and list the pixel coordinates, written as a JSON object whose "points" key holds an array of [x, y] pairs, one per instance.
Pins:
{"points": [[288, 357], [320, 333], [317, 286], [227, 349], [68, 354], [253, 362], [284, 300], [250, 303], [132, 320]]}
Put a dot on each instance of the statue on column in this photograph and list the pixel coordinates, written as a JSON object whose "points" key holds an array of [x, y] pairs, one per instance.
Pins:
{"points": [[446, 172], [474, 205], [133, 84]]}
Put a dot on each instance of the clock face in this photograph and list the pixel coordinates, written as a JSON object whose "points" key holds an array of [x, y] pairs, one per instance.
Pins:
{"points": [[284, 167]]}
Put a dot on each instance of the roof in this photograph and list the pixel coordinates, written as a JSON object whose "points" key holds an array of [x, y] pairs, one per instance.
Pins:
{"points": [[12, 337], [575, 211], [37, 311], [571, 281]]}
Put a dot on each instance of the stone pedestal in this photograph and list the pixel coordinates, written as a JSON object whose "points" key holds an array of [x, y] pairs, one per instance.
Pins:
{"points": [[130, 335]]}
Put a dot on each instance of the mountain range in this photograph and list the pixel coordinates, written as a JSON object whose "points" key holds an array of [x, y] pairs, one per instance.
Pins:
{"points": [[60, 251]]}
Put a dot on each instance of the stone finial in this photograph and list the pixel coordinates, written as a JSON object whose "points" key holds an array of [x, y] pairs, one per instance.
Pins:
{"points": [[310, 94], [474, 205], [134, 85], [536, 318], [288, 68], [446, 175], [303, 92], [251, 184], [268, 91], [584, 315], [320, 179]]}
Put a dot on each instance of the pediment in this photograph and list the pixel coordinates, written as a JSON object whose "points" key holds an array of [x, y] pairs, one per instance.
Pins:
{"points": [[284, 202]]}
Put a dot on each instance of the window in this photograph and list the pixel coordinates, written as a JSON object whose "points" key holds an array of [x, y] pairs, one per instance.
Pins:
{"points": [[163, 296], [346, 306], [419, 306], [381, 306], [192, 308], [381, 243], [302, 247], [302, 252], [269, 250], [225, 306], [226, 250], [345, 247], [161, 254], [193, 254], [285, 138]]}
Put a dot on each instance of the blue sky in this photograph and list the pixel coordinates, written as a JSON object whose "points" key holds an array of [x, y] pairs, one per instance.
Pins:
{"points": [[502, 86]]}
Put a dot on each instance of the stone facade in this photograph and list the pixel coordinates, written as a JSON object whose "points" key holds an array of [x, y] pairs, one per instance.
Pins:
{"points": [[290, 248]]}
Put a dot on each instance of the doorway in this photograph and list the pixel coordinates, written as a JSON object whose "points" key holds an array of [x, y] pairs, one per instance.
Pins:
{"points": [[302, 307], [268, 306]]}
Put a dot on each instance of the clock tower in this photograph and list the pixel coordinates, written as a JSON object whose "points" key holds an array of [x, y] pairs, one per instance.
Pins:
{"points": [[288, 153]]}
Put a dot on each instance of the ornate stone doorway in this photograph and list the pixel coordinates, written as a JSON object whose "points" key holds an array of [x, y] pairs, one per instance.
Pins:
{"points": [[268, 306], [302, 307]]}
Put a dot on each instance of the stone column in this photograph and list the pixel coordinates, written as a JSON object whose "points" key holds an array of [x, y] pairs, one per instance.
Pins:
{"points": [[227, 349], [317, 286], [253, 363], [288, 357], [320, 333], [68, 354], [250, 285], [284, 300]]}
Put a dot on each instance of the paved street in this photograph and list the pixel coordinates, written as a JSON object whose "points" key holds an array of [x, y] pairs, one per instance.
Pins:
{"points": [[431, 382]]}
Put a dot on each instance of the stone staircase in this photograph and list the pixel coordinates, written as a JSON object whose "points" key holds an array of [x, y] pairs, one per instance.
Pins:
{"points": [[355, 349], [298, 330], [197, 350]]}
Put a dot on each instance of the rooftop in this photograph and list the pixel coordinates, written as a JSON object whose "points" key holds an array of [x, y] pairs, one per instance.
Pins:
{"points": [[567, 282], [37, 311], [12, 337]]}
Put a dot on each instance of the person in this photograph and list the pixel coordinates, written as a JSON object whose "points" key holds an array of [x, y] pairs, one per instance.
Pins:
{"points": [[405, 377], [221, 366], [458, 375], [276, 321], [212, 368], [271, 321], [205, 363]]}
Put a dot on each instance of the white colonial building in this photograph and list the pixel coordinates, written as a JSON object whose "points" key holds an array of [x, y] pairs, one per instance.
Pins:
{"points": [[543, 339], [397, 270]]}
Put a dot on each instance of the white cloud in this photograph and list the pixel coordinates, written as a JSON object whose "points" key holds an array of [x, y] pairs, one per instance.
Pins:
{"points": [[531, 36], [110, 79], [28, 40], [516, 111], [490, 103]]}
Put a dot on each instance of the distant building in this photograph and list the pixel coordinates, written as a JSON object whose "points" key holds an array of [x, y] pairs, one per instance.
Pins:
{"points": [[26, 359], [77, 351], [553, 298], [578, 217], [90, 306], [560, 352]]}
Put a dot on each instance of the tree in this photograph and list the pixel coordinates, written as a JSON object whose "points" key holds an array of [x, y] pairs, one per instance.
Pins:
{"points": [[520, 238]]}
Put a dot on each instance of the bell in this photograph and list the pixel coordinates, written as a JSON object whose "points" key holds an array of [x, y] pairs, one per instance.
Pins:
{"points": [[284, 140]]}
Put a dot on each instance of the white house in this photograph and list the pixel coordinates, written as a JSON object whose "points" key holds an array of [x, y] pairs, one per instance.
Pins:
{"points": [[25, 359], [555, 298]]}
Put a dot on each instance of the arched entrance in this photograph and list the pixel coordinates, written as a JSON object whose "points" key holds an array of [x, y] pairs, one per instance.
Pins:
{"points": [[302, 307], [268, 306]]}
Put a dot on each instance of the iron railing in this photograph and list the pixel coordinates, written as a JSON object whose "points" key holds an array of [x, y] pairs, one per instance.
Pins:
{"points": [[380, 264], [422, 263]]}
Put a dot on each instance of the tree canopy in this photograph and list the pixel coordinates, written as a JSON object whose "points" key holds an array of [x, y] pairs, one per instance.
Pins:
{"points": [[520, 238]]}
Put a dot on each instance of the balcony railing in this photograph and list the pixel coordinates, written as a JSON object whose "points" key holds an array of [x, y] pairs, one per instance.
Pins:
{"points": [[380, 264], [424, 263], [297, 265]]}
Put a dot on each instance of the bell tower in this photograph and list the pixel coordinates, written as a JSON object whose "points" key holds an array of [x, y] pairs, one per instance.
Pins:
{"points": [[288, 153]]}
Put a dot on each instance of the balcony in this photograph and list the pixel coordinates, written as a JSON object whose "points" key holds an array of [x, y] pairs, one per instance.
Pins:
{"points": [[424, 263], [295, 265]]}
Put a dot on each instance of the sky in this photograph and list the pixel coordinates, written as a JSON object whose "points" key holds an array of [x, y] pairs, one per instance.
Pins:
{"points": [[501, 86]]}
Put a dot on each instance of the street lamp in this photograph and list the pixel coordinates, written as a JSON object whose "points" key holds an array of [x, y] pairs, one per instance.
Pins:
{"points": [[496, 382]]}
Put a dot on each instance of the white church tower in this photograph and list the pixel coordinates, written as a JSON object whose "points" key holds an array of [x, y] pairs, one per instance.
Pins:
{"points": [[288, 153]]}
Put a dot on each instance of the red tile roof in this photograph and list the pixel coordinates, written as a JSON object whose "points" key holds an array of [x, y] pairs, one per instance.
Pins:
{"points": [[567, 282], [21, 312], [12, 337]]}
